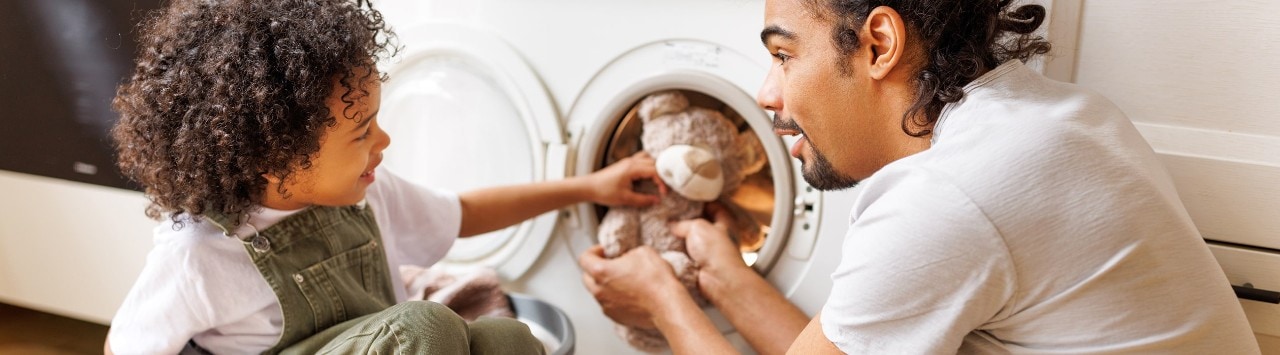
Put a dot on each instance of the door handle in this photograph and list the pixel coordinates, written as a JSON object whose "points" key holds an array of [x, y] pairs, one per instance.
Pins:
{"points": [[1256, 294]]}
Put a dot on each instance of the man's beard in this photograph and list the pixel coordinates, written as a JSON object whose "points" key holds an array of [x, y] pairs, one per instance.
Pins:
{"points": [[822, 175]]}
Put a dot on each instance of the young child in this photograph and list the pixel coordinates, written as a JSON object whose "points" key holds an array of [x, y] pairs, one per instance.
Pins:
{"points": [[253, 126]]}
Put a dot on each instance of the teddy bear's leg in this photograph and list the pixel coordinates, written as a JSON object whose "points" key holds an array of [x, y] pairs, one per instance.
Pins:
{"points": [[656, 224], [647, 340], [619, 231], [686, 272]]}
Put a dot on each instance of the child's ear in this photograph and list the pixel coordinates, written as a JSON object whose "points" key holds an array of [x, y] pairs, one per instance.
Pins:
{"points": [[271, 179]]}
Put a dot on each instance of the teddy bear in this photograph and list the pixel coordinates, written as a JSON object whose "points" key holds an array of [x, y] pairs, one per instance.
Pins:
{"points": [[701, 157]]}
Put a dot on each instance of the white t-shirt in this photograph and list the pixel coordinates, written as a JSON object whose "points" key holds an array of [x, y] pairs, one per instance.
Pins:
{"points": [[1039, 221], [199, 284]]}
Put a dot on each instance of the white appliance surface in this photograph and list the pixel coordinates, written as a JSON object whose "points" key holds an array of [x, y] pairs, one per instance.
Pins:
{"points": [[559, 71]]}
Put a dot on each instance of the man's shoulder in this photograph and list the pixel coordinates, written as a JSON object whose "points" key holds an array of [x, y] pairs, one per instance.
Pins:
{"points": [[1019, 101], [912, 188]]}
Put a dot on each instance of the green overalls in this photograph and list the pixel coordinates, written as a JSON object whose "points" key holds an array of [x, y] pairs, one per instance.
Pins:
{"points": [[328, 269]]}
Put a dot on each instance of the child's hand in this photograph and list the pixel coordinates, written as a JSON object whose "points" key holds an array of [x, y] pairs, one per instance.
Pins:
{"points": [[612, 185]]}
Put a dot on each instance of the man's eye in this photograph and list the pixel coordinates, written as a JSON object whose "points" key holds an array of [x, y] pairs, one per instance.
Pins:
{"points": [[782, 57]]}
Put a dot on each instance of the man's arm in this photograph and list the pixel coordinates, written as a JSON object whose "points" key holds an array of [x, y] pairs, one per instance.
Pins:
{"points": [[813, 341], [758, 311], [768, 321], [490, 209], [688, 329]]}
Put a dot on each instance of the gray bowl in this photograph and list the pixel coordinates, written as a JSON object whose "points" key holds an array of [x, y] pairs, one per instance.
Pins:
{"points": [[549, 317]]}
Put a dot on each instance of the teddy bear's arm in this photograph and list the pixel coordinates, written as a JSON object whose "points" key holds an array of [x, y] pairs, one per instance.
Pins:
{"points": [[619, 231]]}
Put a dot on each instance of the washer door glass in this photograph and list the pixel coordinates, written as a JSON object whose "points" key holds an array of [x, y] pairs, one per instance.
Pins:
{"points": [[454, 127]]}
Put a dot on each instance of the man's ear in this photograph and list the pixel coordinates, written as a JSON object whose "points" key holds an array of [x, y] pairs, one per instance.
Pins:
{"points": [[885, 34]]}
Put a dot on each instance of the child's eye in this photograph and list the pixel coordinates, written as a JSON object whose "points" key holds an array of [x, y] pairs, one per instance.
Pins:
{"points": [[367, 132]]}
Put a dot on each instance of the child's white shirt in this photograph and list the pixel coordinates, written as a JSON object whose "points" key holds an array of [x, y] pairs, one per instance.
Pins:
{"points": [[199, 284]]}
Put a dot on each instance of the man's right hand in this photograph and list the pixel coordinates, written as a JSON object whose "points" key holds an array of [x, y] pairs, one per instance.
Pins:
{"points": [[709, 245]]}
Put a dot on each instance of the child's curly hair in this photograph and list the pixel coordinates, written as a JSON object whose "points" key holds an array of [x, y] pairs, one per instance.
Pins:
{"points": [[226, 91]]}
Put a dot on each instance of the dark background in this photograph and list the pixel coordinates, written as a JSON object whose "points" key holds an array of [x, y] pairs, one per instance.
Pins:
{"points": [[60, 64]]}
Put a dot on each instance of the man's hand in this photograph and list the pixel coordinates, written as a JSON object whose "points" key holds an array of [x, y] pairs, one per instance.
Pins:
{"points": [[611, 186], [632, 287], [640, 289], [708, 243]]}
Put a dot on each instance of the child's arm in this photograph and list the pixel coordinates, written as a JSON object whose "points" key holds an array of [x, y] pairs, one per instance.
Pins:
{"points": [[490, 209]]}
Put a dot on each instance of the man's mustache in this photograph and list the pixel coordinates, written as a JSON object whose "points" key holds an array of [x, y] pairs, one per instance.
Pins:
{"points": [[786, 124]]}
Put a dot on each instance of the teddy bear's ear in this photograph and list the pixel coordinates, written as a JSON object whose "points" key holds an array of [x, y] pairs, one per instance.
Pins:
{"points": [[662, 103], [751, 152]]}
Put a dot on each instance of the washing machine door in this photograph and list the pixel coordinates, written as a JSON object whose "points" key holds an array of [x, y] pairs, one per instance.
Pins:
{"points": [[714, 77], [465, 111]]}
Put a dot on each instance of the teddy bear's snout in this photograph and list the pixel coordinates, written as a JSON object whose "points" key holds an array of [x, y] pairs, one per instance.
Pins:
{"points": [[692, 172], [709, 169]]}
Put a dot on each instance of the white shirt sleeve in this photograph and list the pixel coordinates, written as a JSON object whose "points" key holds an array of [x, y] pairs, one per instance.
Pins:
{"points": [[197, 284], [418, 224], [166, 306], [921, 268]]}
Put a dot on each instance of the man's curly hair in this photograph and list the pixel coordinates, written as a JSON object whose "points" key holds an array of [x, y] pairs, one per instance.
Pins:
{"points": [[961, 40], [227, 91]]}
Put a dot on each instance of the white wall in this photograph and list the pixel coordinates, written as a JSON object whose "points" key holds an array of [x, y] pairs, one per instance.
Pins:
{"points": [[69, 248], [1199, 79], [1202, 83]]}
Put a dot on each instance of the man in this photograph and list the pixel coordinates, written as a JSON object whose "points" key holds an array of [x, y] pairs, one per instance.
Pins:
{"points": [[997, 211]]}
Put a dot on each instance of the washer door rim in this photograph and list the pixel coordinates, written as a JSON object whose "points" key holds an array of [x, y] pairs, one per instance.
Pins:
{"points": [[642, 71]]}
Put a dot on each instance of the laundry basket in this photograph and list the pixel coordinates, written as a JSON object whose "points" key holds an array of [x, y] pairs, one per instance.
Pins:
{"points": [[547, 322]]}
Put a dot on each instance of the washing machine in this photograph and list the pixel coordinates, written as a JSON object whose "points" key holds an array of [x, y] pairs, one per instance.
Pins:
{"points": [[492, 92]]}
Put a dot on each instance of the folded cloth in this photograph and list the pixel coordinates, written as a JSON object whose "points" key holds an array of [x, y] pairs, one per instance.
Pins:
{"points": [[471, 294]]}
